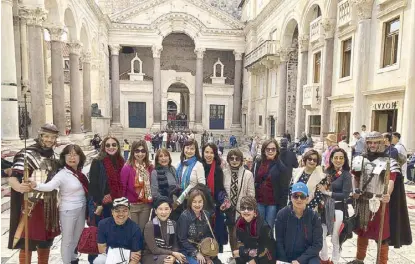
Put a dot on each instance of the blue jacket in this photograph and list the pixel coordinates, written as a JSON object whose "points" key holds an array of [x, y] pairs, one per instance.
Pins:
{"points": [[298, 238]]}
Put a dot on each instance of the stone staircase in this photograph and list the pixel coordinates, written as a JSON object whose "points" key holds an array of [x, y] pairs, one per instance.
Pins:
{"points": [[5, 195]]}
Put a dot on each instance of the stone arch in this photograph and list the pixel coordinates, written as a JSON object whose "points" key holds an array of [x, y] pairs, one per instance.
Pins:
{"points": [[308, 15], [70, 23], [287, 32], [178, 53], [84, 38], [54, 12], [330, 10]]}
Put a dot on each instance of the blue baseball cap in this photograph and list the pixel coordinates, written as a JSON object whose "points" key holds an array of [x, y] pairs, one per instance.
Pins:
{"points": [[299, 187]]}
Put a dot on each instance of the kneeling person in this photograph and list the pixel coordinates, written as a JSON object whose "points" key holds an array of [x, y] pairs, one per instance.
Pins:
{"points": [[119, 231], [298, 230]]}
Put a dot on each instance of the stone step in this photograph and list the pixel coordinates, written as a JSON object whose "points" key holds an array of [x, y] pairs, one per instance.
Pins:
{"points": [[5, 191], [5, 204]]}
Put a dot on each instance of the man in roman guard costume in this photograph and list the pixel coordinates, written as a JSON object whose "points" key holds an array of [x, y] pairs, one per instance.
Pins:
{"points": [[43, 223], [369, 170]]}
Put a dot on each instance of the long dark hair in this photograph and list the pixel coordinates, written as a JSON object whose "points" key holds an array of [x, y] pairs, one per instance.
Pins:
{"points": [[102, 154], [215, 153], [346, 166], [136, 145], [67, 150], [190, 142], [265, 145]]}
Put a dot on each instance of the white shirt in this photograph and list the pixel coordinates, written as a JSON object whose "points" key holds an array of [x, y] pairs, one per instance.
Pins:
{"points": [[71, 192], [402, 150], [165, 136], [197, 175]]}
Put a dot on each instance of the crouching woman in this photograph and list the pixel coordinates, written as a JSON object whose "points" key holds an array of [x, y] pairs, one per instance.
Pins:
{"points": [[160, 239], [255, 241]]}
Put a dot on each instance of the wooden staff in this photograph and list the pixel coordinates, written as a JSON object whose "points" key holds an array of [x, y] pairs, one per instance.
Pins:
{"points": [[26, 195], [383, 208]]}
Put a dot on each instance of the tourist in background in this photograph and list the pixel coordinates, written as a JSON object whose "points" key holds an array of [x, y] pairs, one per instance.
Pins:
{"points": [[126, 149], [238, 183], [337, 191], [402, 153], [390, 149], [249, 163], [255, 237], [288, 158], [271, 182], [164, 139], [163, 177], [73, 190], [331, 141], [214, 180], [135, 180], [160, 236], [359, 144]]}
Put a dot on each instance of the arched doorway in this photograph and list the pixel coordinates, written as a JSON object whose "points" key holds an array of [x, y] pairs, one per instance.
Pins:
{"points": [[178, 115]]}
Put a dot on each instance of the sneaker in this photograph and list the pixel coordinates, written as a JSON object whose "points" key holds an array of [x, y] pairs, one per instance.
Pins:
{"points": [[411, 183], [356, 261]]}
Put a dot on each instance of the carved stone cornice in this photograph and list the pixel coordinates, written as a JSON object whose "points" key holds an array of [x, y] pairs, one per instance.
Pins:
{"points": [[329, 27], [115, 49], [9, 2], [56, 33], [363, 8], [86, 57], [156, 51], [284, 54], [303, 42], [75, 48], [238, 55], [33, 17], [200, 52]]}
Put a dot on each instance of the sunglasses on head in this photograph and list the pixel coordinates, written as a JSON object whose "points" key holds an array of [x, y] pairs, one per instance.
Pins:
{"points": [[246, 208], [140, 151], [108, 145], [234, 159], [295, 196], [314, 160]]}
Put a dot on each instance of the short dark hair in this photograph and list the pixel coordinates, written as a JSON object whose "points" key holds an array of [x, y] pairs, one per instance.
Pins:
{"points": [[190, 142], [265, 145], [67, 150], [235, 152], [356, 133], [364, 126], [344, 137], [388, 136], [309, 153], [396, 134]]}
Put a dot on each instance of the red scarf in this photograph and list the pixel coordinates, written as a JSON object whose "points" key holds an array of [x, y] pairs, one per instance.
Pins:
{"points": [[113, 175], [211, 178], [241, 224], [81, 178]]}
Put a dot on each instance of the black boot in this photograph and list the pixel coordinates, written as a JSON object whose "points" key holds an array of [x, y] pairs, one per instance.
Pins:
{"points": [[75, 261]]}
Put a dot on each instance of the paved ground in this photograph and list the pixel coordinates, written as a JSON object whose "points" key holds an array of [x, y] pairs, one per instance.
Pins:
{"points": [[403, 255]]}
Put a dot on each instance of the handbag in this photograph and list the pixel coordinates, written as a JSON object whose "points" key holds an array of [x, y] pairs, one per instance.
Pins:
{"points": [[208, 247], [349, 224], [87, 243]]}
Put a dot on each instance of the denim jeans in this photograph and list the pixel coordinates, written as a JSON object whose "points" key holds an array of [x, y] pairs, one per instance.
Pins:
{"points": [[268, 213]]}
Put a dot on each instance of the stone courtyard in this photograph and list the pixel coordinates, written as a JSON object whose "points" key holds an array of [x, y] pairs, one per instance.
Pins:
{"points": [[403, 255]]}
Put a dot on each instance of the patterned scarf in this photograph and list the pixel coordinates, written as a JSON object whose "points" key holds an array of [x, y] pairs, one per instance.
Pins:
{"points": [[234, 186], [113, 174], [158, 236], [162, 181], [211, 178], [184, 178], [81, 178]]}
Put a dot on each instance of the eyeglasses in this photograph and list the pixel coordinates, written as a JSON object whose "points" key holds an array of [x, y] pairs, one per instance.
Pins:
{"points": [[234, 159], [295, 196], [140, 151], [271, 149], [108, 145], [311, 159], [246, 208]]}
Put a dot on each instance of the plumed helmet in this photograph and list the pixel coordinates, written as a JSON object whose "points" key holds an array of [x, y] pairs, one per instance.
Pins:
{"points": [[48, 128]]}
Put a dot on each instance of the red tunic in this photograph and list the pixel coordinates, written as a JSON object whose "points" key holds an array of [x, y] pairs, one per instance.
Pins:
{"points": [[373, 226]]}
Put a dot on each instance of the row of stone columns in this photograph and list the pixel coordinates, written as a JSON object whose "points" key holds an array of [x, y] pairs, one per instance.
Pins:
{"points": [[156, 50]]}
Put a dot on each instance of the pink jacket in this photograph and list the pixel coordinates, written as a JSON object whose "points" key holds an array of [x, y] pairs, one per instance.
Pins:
{"points": [[127, 182]]}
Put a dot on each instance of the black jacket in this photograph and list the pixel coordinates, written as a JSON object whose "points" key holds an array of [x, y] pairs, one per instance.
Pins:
{"points": [[288, 158], [280, 179], [298, 238]]}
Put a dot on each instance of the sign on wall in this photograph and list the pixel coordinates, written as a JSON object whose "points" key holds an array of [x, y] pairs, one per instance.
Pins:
{"points": [[388, 105]]}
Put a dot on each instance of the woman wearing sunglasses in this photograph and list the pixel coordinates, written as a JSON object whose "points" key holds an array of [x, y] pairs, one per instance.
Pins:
{"points": [[338, 188], [272, 181], [214, 180], [135, 180], [238, 183], [312, 175], [255, 241], [298, 230]]}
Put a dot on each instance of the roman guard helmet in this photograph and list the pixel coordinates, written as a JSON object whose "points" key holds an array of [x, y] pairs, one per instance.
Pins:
{"points": [[375, 136]]}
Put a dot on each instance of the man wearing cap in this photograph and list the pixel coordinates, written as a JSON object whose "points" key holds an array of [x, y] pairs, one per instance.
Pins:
{"points": [[119, 231], [43, 221], [298, 230], [331, 141]]}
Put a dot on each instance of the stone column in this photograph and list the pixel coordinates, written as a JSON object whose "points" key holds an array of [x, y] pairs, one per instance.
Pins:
{"points": [[199, 88], [115, 85], [156, 85], [282, 88], [35, 18], [362, 57], [75, 94], [9, 106], [327, 76], [58, 90], [303, 42], [237, 99], [86, 76], [408, 127]]}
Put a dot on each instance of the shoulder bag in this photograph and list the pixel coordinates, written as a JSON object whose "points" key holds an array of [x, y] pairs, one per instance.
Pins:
{"points": [[209, 246]]}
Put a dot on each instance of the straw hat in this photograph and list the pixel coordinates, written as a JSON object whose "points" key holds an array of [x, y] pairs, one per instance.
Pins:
{"points": [[331, 137]]}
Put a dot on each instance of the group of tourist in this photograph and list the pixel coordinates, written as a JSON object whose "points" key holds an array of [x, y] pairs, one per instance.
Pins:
{"points": [[165, 213]]}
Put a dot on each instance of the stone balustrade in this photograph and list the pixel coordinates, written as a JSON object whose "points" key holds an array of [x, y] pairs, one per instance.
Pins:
{"points": [[315, 30], [266, 48], [311, 96], [345, 14]]}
